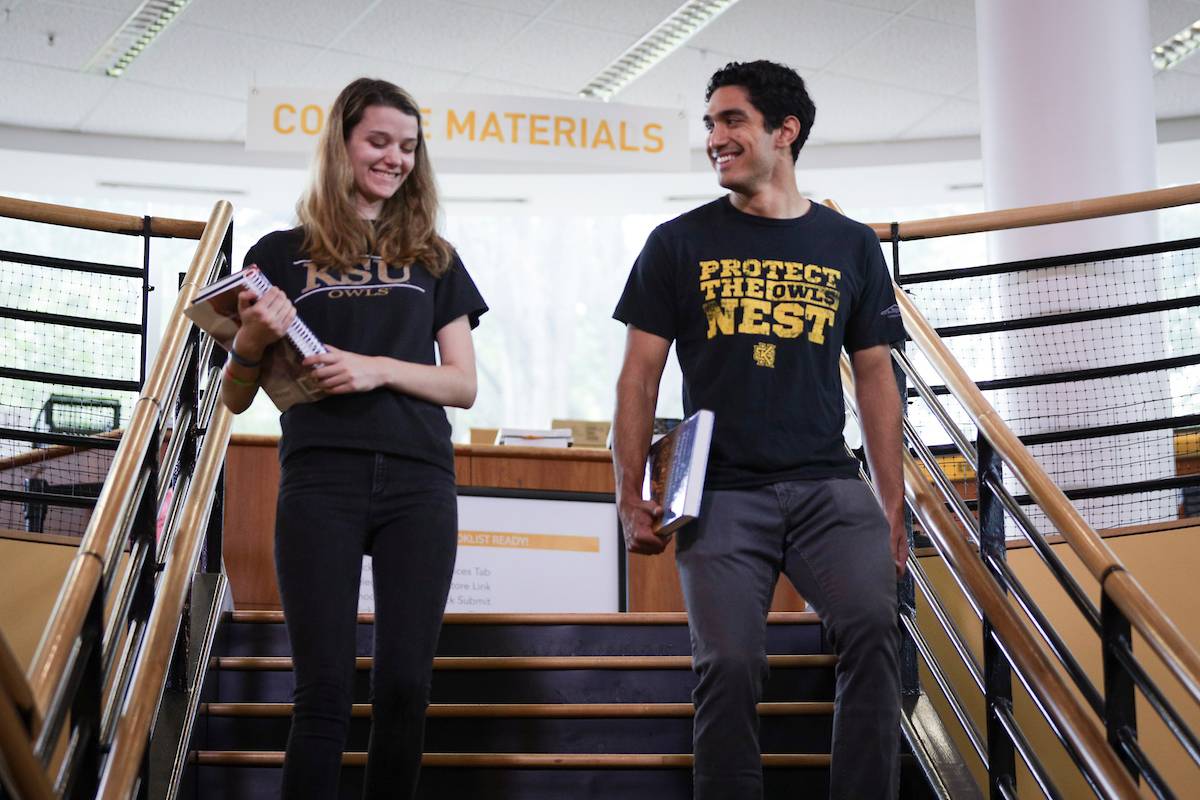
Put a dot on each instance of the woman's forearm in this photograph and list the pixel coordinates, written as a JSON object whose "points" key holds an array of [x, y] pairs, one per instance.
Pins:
{"points": [[444, 384]]}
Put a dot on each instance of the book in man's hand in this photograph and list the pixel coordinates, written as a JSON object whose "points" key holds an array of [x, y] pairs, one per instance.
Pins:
{"points": [[285, 380], [675, 470]]}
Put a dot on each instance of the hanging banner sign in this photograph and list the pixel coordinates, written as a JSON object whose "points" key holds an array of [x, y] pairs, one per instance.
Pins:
{"points": [[495, 128]]}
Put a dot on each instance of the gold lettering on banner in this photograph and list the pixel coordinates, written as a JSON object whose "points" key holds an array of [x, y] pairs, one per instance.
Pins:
{"points": [[491, 129], [312, 119], [460, 127], [653, 134], [564, 128], [279, 128]]}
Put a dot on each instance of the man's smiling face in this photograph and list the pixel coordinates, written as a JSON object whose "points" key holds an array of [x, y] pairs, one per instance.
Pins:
{"points": [[740, 148]]}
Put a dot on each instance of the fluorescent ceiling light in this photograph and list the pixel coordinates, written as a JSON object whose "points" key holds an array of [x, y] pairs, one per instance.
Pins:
{"points": [[1177, 48], [142, 27], [665, 38], [169, 187]]}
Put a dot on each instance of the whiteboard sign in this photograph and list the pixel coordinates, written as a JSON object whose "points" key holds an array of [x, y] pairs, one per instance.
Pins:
{"points": [[530, 555], [495, 128]]}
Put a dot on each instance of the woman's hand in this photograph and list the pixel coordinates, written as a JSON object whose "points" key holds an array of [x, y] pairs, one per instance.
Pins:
{"points": [[343, 372], [264, 321]]}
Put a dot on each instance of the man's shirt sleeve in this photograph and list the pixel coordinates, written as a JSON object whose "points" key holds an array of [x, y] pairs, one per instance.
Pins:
{"points": [[649, 301], [876, 317]]}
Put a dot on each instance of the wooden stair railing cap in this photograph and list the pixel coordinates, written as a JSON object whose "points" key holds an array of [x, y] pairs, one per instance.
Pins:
{"points": [[1074, 723], [66, 216]]}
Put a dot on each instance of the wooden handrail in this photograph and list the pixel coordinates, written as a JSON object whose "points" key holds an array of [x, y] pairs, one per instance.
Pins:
{"points": [[1062, 708], [133, 731], [69, 217], [101, 542], [1067, 714], [53, 452], [1147, 618], [1047, 214], [14, 685], [22, 766]]}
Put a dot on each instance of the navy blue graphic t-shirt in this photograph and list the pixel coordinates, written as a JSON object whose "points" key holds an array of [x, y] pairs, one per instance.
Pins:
{"points": [[375, 309], [760, 310]]}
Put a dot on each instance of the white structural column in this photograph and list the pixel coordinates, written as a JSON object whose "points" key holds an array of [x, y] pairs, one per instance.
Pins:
{"points": [[1067, 102], [1066, 94]]}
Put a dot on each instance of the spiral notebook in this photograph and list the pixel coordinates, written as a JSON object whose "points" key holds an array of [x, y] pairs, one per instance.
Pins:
{"points": [[285, 380]]}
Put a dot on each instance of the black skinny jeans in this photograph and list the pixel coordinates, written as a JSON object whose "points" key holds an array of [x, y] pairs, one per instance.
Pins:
{"points": [[334, 506]]}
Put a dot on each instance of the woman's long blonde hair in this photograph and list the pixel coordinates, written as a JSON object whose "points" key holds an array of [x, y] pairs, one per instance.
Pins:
{"points": [[406, 231]]}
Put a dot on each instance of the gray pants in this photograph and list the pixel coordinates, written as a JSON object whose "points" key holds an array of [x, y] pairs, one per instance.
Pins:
{"points": [[831, 539]]}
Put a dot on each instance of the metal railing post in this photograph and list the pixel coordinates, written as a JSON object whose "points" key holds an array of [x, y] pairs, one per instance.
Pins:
{"points": [[83, 778], [997, 674], [1120, 696]]}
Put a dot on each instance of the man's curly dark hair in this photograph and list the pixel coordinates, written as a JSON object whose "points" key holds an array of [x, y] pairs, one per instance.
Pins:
{"points": [[775, 90]]}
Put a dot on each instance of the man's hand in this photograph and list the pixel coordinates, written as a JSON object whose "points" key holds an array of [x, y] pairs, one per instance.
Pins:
{"points": [[899, 536], [637, 524], [343, 372]]}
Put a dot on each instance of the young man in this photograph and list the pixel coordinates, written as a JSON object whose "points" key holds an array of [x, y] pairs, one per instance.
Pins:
{"points": [[761, 290]]}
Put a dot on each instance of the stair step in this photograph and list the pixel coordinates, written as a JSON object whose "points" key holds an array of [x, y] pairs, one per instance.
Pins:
{"points": [[526, 710], [262, 633], [527, 727], [274, 758], [614, 618], [447, 663], [534, 679]]}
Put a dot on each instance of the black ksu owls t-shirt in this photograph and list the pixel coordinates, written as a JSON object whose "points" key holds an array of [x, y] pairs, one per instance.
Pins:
{"points": [[759, 310], [376, 309]]}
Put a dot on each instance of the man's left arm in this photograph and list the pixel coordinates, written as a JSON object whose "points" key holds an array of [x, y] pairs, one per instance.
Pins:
{"points": [[879, 416]]}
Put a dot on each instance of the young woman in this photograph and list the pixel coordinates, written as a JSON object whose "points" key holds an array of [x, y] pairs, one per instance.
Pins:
{"points": [[370, 468]]}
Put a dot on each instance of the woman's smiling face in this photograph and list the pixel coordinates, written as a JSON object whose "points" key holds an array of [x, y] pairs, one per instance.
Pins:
{"points": [[382, 148]]}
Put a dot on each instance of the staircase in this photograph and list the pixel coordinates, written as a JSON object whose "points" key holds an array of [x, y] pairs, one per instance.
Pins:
{"points": [[527, 706]]}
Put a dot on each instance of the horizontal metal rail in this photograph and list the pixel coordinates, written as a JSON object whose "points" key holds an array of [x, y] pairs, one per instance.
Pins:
{"points": [[1069, 318], [73, 266], [89, 323]]}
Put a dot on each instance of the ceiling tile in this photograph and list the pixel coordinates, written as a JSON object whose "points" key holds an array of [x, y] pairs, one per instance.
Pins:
{"points": [[892, 6], [203, 60], [636, 17], [125, 7], [576, 54], [78, 32], [678, 82], [1169, 17], [952, 12], [953, 118], [333, 70], [529, 8], [445, 35], [915, 54], [316, 23], [853, 110], [24, 88], [1176, 94], [473, 84], [135, 109], [807, 34]]}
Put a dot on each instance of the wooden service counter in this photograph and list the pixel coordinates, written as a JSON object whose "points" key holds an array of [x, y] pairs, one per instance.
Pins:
{"points": [[252, 480]]}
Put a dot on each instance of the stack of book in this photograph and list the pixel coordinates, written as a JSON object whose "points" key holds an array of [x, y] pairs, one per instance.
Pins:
{"points": [[534, 437]]}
